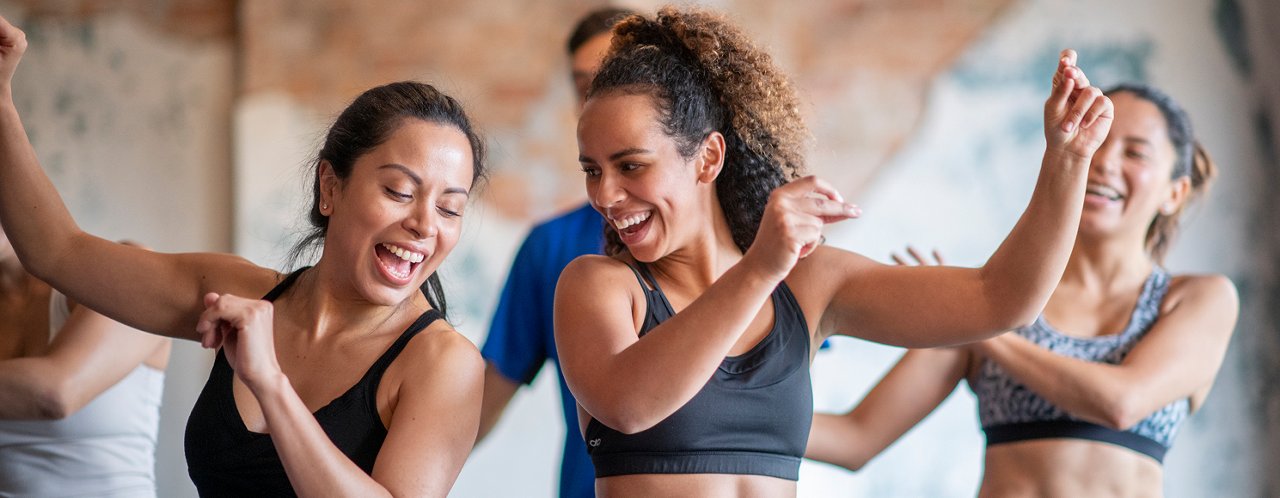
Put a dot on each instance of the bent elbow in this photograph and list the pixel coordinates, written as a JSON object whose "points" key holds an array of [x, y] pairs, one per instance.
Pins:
{"points": [[51, 404]]}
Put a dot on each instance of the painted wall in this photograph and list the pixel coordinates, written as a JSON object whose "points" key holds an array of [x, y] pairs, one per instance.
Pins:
{"points": [[128, 109]]}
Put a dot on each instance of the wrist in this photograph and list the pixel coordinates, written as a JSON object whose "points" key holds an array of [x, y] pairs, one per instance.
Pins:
{"points": [[267, 386]]}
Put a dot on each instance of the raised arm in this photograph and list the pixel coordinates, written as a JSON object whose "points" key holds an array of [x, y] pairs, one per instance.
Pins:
{"points": [[88, 355], [150, 291], [934, 305], [1178, 358], [920, 381], [630, 384]]}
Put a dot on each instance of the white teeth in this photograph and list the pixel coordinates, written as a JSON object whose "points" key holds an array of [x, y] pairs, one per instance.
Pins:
{"points": [[1103, 190], [405, 254], [632, 220]]}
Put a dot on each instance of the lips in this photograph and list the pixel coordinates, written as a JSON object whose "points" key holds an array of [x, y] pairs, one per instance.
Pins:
{"points": [[631, 227], [398, 262], [1105, 191]]}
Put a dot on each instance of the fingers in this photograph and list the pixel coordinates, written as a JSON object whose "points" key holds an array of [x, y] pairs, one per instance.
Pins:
{"points": [[898, 259], [1101, 109], [937, 256], [1060, 97], [1084, 101], [916, 256]]}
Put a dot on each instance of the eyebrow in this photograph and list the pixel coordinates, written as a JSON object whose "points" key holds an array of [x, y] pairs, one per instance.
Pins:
{"points": [[618, 155], [417, 180], [1138, 140]]}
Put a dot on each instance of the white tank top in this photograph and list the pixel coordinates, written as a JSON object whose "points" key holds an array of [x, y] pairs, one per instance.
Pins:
{"points": [[106, 449]]}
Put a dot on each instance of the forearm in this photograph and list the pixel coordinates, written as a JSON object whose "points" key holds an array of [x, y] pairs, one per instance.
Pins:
{"points": [[1021, 275], [1098, 392], [834, 439], [654, 376], [314, 465]]}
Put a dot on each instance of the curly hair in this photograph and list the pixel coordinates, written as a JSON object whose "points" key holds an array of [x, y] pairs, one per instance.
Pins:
{"points": [[705, 76]]}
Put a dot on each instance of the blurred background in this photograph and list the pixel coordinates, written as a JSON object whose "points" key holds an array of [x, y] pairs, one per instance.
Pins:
{"points": [[190, 125]]}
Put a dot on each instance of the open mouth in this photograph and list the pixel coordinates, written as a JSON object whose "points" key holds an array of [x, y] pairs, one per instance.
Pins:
{"points": [[632, 226], [1103, 191], [397, 261]]}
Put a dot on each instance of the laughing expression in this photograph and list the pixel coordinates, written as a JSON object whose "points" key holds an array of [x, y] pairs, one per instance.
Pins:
{"points": [[399, 213]]}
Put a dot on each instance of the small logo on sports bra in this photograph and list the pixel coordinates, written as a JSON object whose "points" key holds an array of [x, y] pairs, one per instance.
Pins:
{"points": [[594, 442]]}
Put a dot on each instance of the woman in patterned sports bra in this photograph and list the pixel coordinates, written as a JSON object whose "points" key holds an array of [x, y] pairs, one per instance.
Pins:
{"points": [[1086, 400], [688, 347], [346, 383]]}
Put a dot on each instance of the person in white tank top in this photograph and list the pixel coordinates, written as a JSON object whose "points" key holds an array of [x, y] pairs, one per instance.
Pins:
{"points": [[79, 395]]}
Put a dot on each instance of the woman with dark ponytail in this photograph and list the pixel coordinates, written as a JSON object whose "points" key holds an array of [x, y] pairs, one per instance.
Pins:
{"points": [[340, 379], [1086, 400], [688, 347]]}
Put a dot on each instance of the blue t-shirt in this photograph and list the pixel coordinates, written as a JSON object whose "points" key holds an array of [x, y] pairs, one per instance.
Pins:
{"points": [[521, 338]]}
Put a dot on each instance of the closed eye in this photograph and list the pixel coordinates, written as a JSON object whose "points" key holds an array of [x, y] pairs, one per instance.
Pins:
{"points": [[397, 195], [448, 213]]}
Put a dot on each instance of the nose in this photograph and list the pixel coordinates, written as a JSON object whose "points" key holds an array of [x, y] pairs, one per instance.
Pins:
{"points": [[421, 222], [1106, 160], [606, 190]]}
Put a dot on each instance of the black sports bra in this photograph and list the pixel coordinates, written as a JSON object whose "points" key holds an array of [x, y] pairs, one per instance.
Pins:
{"points": [[752, 416]]}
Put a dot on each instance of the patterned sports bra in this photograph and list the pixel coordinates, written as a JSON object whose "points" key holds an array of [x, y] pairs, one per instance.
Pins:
{"points": [[1011, 412]]}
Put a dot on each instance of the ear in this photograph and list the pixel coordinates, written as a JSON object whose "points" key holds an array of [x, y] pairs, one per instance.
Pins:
{"points": [[330, 184], [711, 157], [1177, 194]]}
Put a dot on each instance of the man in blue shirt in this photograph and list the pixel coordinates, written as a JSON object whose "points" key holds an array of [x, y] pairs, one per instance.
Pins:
{"points": [[521, 338]]}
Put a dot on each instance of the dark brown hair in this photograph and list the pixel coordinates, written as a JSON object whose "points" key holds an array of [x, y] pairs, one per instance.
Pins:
{"points": [[705, 75]]}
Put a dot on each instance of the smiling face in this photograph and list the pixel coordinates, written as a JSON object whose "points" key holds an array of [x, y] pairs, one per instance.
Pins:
{"points": [[1130, 176], [399, 213], [637, 178]]}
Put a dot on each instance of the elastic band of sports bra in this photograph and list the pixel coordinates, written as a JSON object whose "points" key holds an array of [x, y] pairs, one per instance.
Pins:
{"points": [[1073, 429]]}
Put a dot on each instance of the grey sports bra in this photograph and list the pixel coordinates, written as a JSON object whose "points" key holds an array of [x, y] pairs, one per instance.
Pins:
{"points": [[1011, 412]]}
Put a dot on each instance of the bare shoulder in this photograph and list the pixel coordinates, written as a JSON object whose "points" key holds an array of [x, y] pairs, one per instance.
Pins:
{"points": [[440, 348], [1206, 288], [1210, 294], [595, 268]]}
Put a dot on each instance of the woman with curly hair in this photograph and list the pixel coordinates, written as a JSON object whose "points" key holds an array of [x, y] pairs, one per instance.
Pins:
{"points": [[688, 346], [1085, 400]]}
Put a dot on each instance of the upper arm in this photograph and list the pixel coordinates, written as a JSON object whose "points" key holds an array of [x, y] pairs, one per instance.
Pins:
{"points": [[436, 416], [912, 306], [1184, 349], [155, 292], [91, 353], [594, 321]]}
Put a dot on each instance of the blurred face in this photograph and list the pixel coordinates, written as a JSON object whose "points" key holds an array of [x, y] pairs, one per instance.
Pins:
{"points": [[586, 63], [399, 213], [636, 177], [1129, 178]]}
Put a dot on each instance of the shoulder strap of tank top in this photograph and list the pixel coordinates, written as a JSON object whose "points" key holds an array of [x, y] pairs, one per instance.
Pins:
{"points": [[656, 296], [374, 375], [284, 284]]}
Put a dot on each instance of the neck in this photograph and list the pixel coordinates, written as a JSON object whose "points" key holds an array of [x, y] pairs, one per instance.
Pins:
{"points": [[700, 263], [1103, 263], [325, 305]]}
